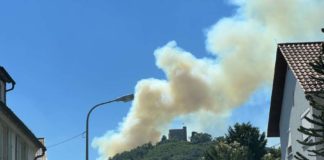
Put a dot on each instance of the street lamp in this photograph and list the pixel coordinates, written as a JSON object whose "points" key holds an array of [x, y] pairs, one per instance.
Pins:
{"points": [[125, 98]]}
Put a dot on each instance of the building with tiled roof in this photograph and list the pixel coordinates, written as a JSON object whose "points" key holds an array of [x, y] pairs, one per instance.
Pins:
{"points": [[293, 78], [17, 141]]}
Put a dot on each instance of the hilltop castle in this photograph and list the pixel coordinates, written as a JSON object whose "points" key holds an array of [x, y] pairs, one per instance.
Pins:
{"points": [[178, 134]]}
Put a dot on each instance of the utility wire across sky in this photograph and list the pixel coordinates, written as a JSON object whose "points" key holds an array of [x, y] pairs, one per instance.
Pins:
{"points": [[66, 140]]}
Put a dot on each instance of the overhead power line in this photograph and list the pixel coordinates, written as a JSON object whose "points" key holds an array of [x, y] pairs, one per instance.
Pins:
{"points": [[66, 140]]}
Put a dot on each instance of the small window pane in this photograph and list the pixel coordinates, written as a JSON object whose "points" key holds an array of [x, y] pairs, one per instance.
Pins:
{"points": [[1, 143]]}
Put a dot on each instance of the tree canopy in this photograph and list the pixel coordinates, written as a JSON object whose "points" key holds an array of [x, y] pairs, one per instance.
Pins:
{"points": [[242, 142], [226, 151], [200, 138], [315, 134], [247, 135]]}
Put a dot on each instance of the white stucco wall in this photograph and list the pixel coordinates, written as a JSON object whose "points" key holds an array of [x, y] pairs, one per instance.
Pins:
{"points": [[287, 104], [17, 137], [294, 107]]}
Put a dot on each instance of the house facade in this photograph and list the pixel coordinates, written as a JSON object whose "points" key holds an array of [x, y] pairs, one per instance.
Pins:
{"points": [[289, 106], [17, 142]]}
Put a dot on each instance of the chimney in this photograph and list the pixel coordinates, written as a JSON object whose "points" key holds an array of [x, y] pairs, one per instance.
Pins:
{"points": [[5, 78]]}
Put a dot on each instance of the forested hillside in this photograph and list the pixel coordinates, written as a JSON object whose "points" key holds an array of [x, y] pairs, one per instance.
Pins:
{"points": [[242, 142]]}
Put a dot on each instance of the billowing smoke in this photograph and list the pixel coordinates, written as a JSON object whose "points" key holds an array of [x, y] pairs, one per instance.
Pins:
{"points": [[244, 46]]}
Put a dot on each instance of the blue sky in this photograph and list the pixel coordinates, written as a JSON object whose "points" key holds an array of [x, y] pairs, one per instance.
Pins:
{"points": [[67, 55]]}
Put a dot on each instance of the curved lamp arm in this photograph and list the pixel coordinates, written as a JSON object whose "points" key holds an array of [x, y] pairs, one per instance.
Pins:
{"points": [[125, 98]]}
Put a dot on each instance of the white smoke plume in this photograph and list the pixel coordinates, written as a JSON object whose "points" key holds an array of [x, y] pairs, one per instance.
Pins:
{"points": [[244, 46]]}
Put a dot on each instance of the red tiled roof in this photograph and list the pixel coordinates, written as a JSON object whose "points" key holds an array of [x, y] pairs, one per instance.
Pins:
{"points": [[298, 56]]}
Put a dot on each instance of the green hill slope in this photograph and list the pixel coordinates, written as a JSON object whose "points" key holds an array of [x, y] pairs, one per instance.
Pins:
{"points": [[168, 150]]}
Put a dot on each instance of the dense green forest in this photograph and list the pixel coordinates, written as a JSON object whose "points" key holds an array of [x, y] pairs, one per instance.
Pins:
{"points": [[242, 142]]}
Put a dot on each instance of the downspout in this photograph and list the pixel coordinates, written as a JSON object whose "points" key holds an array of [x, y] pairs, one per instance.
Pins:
{"points": [[43, 153], [12, 86], [13, 83]]}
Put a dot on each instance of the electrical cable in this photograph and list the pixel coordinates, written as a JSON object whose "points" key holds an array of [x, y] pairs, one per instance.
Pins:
{"points": [[66, 140]]}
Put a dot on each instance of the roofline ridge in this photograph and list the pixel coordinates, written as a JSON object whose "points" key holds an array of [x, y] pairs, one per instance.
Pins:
{"points": [[285, 43], [23, 126]]}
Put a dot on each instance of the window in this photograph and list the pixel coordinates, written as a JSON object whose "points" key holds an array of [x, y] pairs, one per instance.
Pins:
{"points": [[10, 145], [4, 142], [1, 142], [21, 149], [24, 152]]}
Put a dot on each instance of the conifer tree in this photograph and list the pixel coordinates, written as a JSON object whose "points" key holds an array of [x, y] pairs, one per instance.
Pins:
{"points": [[316, 101]]}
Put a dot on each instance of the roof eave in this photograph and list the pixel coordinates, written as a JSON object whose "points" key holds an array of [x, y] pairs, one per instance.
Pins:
{"points": [[277, 95], [4, 75], [22, 126]]}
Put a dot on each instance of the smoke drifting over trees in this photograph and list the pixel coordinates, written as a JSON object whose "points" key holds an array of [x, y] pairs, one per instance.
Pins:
{"points": [[244, 45]]}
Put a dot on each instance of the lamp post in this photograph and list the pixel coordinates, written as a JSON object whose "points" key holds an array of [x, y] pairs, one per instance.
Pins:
{"points": [[125, 98]]}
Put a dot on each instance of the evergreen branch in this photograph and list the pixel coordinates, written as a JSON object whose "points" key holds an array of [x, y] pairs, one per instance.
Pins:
{"points": [[300, 156], [321, 117], [317, 106], [316, 152], [320, 93], [315, 130], [317, 120], [310, 143], [314, 122], [308, 131]]}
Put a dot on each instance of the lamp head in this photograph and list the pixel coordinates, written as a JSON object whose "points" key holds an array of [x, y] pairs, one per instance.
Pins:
{"points": [[126, 98]]}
